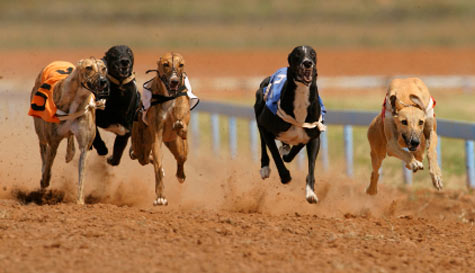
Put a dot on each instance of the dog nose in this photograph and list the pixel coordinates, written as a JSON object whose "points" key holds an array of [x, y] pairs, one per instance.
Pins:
{"points": [[124, 62], [174, 81], [102, 82], [307, 64], [414, 142]]}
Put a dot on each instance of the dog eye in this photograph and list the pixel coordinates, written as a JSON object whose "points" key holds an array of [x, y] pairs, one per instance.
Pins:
{"points": [[404, 122], [421, 122], [181, 65]]}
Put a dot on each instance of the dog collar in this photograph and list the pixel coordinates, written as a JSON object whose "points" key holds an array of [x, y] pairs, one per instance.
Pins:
{"points": [[123, 82]]}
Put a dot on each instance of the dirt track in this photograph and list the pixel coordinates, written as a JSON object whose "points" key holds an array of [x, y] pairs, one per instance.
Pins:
{"points": [[224, 218]]}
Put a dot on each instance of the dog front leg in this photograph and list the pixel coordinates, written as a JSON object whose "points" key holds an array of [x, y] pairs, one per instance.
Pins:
{"points": [[395, 150], [434, 169], [159, 173], [270, 142], [313, 146], [99, 144], [179, 149], [119, 145]]}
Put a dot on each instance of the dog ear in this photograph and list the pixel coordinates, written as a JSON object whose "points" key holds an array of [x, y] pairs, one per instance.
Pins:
{"points": [[417, 101], [392, 100]]}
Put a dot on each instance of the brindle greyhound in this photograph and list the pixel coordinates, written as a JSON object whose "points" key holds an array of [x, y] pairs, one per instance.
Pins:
{"points": [[167, 119], [74, 96]]}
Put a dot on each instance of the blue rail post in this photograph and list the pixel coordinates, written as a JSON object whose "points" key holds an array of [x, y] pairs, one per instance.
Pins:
{"points": [[324, 151], [216, 138], [348, 137], [232, 136], [439, 151], [253, 135], [195, 130], [470, 163]]}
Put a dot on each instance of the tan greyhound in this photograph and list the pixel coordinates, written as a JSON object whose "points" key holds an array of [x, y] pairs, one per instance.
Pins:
{"points": [[167, 119], [64, 95], [404, 129]]}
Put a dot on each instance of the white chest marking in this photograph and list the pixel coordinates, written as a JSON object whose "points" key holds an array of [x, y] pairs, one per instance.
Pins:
{"points": [[296, 135]]}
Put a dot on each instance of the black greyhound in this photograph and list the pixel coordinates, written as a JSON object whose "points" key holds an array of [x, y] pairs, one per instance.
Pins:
{"points": [[122, 103], [295, 118]]}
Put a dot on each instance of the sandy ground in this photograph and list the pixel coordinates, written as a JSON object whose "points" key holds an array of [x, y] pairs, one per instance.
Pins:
{"points": [[224, 218]]}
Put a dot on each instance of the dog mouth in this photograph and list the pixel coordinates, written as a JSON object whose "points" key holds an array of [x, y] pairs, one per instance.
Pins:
{"points": [[305, 76], [124, 72]]}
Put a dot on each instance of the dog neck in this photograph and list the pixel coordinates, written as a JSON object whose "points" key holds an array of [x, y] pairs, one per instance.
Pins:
{"points": [[69, 95]]}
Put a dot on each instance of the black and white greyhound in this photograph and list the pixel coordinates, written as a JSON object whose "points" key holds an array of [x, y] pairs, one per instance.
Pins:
{"points": [[294, 117]]}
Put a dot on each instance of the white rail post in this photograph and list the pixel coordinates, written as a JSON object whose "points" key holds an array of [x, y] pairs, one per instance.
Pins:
{"points": [[216, 138], [324, 151], [195, 130], [232, 136], [470, 164], [439, 151], [348, 138], [253, 135]]}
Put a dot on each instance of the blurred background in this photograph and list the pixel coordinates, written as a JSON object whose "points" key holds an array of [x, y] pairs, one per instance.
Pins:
{"points": [[230, 46]]}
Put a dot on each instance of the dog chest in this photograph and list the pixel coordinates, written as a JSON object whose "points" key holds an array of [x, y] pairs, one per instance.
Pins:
{"points": [[295, 134]]}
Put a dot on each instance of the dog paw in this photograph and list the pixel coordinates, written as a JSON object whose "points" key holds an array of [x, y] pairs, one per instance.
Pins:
{"points": [[371, 190], [112, 161], [160, 201], [102, 150], [310, 195], [284, 150], [437, 181], [265, 172], [415, 165], [131, 154], [285, 177]]}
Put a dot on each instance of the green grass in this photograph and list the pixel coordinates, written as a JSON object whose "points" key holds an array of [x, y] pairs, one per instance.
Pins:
{"points": [[236, 24]]}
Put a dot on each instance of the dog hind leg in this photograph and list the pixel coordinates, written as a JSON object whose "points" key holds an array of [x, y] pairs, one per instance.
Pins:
{"points": [[270, 142], [313, 147], [265, 170], [71, 149], [376, 161], [48, 156], [159, 173], [293, 152]]}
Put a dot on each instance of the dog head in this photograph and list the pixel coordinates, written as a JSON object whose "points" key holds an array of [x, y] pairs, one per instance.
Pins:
{"points": [[93, 76], [120, 61], [171, 67], [410, 121], [302, 64]]}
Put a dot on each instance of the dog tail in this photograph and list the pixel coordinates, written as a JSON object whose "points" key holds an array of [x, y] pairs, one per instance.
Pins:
{"points": [[70, 150]]}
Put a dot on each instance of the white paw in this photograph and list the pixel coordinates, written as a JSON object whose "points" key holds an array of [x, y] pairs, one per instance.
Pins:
{"points": [[310, 195], [161, 201], [265, 172], [437, 181], [284, 149]]}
